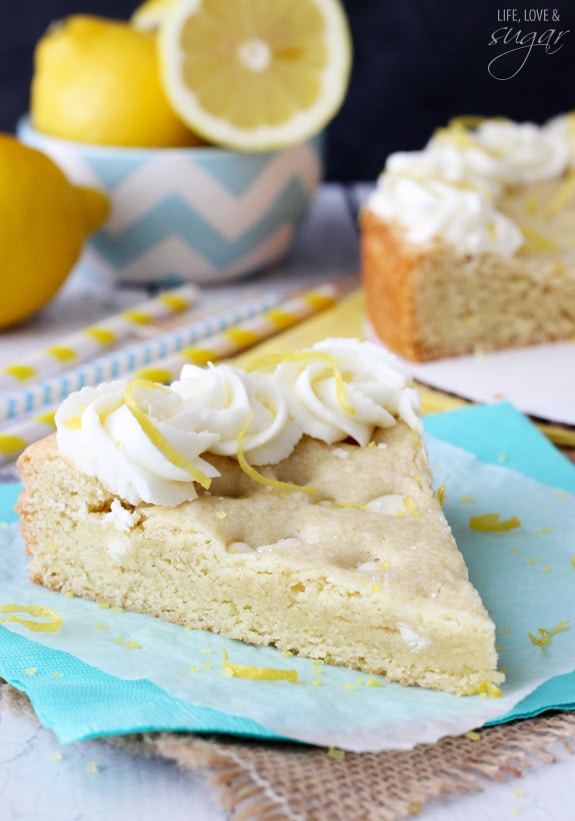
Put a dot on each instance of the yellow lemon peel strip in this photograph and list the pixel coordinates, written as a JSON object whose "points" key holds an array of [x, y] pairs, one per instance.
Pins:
{"points": [[441, 491], [545, 634], [562, 197], [254, 474], [491, 523], [52, 623], [252, 673], [154, 435]]}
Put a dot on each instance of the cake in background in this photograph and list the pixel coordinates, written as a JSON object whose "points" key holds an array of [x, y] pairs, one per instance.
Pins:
{"points": [[469, 244]]}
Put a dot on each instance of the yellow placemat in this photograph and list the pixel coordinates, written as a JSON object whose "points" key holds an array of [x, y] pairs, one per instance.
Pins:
{"points": [[345, 319]]}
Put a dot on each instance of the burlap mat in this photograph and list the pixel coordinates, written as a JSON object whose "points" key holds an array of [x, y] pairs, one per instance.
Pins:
{"points": [[262, 781]]}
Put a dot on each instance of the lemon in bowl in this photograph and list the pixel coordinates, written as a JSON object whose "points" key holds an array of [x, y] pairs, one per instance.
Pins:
{"points": [[222, 154], [97, 81]]}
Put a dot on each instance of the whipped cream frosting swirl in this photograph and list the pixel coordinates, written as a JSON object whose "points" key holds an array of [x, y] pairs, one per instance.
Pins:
{"points": [[149, 443], [433, 207], [450, 189], [526, 152], [97, 430], [240, 407], [342, 388]]}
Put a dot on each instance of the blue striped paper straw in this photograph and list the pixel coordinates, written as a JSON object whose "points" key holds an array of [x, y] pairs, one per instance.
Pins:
{"points": [[117, 363], [225, 343], [85, 344]]}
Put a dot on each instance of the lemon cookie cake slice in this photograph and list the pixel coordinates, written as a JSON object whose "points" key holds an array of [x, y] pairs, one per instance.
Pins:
{"points": [[468, 245], [291, 505]]}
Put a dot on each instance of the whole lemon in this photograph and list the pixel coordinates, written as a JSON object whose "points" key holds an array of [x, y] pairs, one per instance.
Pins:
{"points": [[45, 221], [98, 81]]}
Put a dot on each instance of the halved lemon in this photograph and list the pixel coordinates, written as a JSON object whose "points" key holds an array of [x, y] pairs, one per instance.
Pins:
{"points": [[149, 15], [255, 75]]}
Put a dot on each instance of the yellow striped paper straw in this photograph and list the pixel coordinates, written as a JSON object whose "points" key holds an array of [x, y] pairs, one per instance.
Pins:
{"points": [[90, 342], [113, 365], [274, 320]]}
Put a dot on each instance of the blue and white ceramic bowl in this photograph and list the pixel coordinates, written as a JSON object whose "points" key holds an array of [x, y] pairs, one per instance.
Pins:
{"points": [[205, 215]]}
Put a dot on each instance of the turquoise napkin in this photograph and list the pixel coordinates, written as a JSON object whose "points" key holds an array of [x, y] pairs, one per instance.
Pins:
{"points": [[174, 681]]}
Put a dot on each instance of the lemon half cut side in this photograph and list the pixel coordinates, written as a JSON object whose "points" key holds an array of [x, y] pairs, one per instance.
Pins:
{"points": [[150, 13], [255, 75]]}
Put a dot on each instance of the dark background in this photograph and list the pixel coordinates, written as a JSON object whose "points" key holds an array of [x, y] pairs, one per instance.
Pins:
{"points": [[417, 63]]}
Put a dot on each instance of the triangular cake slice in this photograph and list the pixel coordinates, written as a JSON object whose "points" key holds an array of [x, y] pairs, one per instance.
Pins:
{"points": [[339, 550]]}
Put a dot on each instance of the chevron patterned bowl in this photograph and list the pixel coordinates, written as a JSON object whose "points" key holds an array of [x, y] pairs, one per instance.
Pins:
{"points": [[205, 215]]}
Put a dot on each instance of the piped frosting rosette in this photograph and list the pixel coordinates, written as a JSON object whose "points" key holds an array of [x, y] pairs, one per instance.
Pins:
{"points": [[451, 188], [150, 443], [342, 388], [141, 440], [242, 408]]}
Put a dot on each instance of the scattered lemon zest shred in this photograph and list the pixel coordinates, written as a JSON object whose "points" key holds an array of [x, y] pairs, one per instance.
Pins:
{"points": [[248, 671], [562, 197], [546, 634], [535, 241], [441, 491], [53, 619], [488, 689], [409, 505], [492, 523]]}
